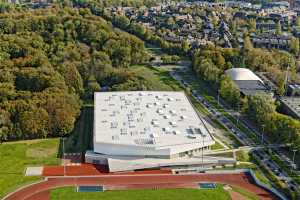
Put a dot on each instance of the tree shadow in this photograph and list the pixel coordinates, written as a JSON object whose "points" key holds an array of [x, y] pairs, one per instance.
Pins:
{"points": [[81, 138]]}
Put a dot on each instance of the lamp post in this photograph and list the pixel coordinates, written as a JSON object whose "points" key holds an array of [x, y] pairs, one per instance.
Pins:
{"points": [[262, 134], [63, 146], [238, 114], [218, 97], [203, 136], [294, 150]]}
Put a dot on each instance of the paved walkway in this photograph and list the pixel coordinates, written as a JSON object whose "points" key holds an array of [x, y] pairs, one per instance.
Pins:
{"points": [[39, 190]]}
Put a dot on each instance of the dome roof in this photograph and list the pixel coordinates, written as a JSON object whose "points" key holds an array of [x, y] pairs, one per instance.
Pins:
{"points": [[242, 74]]}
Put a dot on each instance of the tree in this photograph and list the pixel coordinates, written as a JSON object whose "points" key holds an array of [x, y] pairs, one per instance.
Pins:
{"points": [[247, 43], [252, 25], [92, 86], [260, 108], [294, 46], [229, 91], [185, 46], [278, 28], [297, 23], [121, 21], [34, 122]]}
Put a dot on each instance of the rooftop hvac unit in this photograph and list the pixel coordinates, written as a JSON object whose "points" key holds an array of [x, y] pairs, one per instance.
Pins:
{"points": [[166, 129], [160, 111], [173, 124], [149, 105], [158, 97], [182, 117], [123, 131], [155, 123], [113, 124], [115, 137], [134, 133], [170, 99], [143, 141], [191, 136], [173, 112], [167, 116]]}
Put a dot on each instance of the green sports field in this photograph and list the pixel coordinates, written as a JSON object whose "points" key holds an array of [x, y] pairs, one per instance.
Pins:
{"points": [[16, 156], [162, 194]]}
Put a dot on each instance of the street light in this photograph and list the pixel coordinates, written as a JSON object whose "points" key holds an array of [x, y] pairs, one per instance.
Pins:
{"points": [[203, 136], [262, 134], [63, 146], [218, 97], [238, 114], [294, 150]]}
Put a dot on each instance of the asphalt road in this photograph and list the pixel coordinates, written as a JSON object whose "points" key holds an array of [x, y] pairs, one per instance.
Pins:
{"points": [[239, 134]]}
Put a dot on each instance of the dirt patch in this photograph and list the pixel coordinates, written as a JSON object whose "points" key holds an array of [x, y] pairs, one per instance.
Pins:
{"points": [[40, 152]]}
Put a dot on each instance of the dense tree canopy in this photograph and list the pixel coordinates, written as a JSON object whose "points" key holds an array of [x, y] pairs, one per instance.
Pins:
{"points": [[52, 59]]}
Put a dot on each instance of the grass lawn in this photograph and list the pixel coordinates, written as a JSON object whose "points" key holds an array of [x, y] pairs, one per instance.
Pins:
{"points": [[158, 78], [16, 156], [162, 194], [245, 193]]}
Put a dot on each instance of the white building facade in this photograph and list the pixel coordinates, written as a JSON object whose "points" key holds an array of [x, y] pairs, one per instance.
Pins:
{"points": [[145, 129]]}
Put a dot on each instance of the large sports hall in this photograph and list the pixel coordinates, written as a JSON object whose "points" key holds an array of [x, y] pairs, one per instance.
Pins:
{"points": [[149, 129]]}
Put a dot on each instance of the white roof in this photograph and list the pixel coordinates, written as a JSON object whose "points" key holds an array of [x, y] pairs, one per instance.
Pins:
{"points": [[242, 74], [148, 118]]}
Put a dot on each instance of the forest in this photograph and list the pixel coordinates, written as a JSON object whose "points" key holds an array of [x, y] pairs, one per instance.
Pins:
{"points": [[52, 60], [211, 63]]}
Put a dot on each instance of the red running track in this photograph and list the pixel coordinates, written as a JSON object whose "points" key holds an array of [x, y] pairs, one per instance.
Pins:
{"points": [[93, 170], [39, 190]]}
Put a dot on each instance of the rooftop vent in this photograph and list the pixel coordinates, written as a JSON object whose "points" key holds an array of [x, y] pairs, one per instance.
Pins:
{"points": [[166, 106], [191, 136], [115, 137], [166, 129], [149, 105], [182, 117], [160, 111], [170, 99], [123, 131], [143, 141], [155, 123], [173, 124], [173, 112], [113, 124], [134, 133]]}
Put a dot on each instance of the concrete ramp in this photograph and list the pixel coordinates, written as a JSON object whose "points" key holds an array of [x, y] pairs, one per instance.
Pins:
{"points": [[34, 171]]}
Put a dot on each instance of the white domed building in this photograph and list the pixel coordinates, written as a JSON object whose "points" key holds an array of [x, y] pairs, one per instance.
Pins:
{"points": [[247, 81]]}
